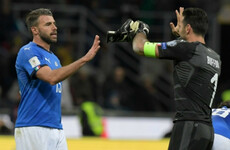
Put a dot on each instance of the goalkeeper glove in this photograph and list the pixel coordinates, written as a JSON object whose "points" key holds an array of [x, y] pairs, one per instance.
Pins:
{"points": [[127, 31]]}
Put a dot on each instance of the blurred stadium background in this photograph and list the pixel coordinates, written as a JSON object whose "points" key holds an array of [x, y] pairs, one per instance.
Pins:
{"points": [[132, 94]]}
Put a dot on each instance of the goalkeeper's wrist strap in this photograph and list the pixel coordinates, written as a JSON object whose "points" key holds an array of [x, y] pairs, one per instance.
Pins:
{"points": [[150, 49]]}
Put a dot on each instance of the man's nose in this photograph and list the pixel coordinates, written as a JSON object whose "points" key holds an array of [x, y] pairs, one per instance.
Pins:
{"points": [[54, 27]]}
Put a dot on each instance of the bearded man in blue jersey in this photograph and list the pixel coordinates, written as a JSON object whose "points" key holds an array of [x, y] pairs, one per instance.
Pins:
{"points": [[40, 75]]}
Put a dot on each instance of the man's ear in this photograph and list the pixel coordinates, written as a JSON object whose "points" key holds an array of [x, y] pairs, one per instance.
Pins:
{"points": [[188, 28], [34, 30]]}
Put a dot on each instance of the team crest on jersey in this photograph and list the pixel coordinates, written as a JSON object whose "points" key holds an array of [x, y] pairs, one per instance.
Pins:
{"points": [[34, 61]]}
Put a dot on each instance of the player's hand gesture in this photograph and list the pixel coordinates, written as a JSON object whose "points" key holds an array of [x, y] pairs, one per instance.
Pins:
{"points": [[94, 49], [175, 29]]}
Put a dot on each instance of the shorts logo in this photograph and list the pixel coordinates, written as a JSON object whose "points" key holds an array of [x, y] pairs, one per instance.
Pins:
{"points": [[34, 61]]}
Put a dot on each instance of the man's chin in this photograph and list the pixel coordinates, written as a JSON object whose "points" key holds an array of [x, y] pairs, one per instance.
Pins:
{"points": [[53, 41], [49, 40]]}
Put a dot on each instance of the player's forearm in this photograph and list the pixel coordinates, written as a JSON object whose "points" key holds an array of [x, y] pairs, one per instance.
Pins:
{"points": [[61, 74], [58, 75], [143, 47], [138, 43]]}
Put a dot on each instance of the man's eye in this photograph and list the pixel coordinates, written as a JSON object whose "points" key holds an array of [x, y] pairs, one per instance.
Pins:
{"points": [[47, 24]]}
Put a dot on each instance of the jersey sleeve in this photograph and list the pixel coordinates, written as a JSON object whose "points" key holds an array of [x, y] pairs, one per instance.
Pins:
{"points": [[32, 62], [176, 50]]}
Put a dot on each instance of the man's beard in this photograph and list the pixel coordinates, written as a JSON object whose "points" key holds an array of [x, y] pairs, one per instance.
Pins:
{"points": [[46, 38]]}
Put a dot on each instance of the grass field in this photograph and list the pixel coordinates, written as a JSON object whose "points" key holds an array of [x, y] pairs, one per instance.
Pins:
{"points": [[8, 143]]}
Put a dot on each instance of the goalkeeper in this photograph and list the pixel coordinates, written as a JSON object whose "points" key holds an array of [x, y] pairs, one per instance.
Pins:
{"points": [[196, 71]]}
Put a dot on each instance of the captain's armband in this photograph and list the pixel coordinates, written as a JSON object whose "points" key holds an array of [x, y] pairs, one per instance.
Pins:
{"points": [[150, 49]]}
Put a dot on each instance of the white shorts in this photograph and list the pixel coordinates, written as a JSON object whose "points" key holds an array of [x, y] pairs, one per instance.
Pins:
{"points": [[221, 142], [40, 138]]}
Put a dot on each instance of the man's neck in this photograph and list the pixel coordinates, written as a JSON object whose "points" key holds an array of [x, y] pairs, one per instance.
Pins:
{"points": [[196, 38], [41, 43]]}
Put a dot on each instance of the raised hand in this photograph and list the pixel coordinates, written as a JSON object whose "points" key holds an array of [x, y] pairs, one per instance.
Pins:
{"points": [[179, 15], [94, 49]]}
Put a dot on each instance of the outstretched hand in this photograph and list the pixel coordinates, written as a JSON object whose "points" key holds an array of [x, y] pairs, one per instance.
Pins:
{"points": [[175, 29], [94, 49]]}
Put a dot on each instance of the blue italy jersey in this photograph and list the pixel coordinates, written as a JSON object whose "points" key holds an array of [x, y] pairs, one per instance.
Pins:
{"points": [[40, 103], [221, 121]]}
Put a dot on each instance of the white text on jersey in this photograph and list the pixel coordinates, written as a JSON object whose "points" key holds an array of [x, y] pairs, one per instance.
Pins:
{"points": [[213, 62]]}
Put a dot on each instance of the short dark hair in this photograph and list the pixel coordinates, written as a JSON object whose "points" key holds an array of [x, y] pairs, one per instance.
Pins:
{"points": [[225, 103], [32, 17], [198, 20]]}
